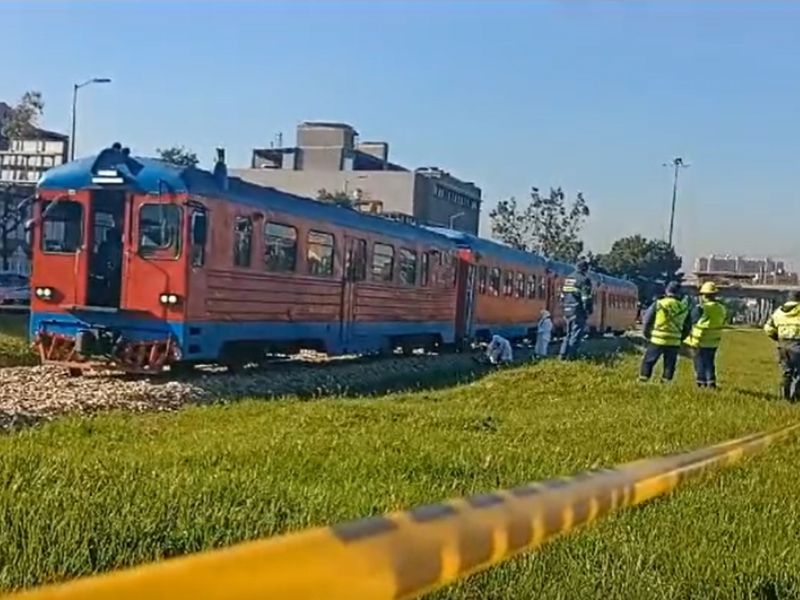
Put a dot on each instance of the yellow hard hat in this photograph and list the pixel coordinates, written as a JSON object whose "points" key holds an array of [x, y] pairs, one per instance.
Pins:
{"points": [[709, 287]]}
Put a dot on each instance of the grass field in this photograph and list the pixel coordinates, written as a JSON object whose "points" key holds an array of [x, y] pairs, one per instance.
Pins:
{"points": [[85, 495], [14, 347]]}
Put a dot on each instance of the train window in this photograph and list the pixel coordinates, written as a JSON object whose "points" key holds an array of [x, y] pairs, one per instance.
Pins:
{"points": [[543, 288], [382, 262], [62, 227], [425, 269], [519, 288], [494, 282], [483, 275], [320, 253], [508, 283], [242, 241], [280, 247], [531, 286], [356, 259], [160, 229], [408, 266], [198, 236]]}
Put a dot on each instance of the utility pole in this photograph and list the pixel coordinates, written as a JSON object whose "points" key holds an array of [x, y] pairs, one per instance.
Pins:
{"points": [[677, 164]]}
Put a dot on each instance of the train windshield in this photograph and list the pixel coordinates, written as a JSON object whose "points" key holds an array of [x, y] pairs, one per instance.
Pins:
{"points": [[160, 230], [62, 226]]}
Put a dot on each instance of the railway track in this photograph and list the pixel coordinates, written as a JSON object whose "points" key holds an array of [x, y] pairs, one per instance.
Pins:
{"points": [[29, 395]]}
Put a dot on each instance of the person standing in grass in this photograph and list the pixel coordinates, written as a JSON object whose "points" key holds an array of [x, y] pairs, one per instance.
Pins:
{"points": [[784, 327], [664, 325], [707, 319], [576, 303], [544, 332]]}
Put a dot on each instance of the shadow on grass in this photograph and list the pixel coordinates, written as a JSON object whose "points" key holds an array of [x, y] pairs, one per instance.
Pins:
{"points": [[758, 394]]}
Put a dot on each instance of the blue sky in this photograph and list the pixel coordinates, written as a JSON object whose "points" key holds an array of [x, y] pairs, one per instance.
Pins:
{"points": [[593, 96]]}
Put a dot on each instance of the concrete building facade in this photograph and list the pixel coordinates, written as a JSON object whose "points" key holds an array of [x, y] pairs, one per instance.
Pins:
{"points": [[22, 163], [330, 157]]}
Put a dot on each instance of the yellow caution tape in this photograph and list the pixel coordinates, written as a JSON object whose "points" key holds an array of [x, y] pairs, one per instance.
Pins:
{"points": [[404, 554]]}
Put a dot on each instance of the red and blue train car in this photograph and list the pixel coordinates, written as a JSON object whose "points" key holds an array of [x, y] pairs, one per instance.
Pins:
{"points": [[138, 264], [504, 289]]}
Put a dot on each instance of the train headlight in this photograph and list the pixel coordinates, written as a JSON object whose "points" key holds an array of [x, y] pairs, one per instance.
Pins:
{"points": [[45, 293], [170, 299]]}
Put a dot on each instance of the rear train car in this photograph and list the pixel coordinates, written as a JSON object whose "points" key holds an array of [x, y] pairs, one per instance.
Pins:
{"points": [[139, 265], [614, 300], [502, 290]]}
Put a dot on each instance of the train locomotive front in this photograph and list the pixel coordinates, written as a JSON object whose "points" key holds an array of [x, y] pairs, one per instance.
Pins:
{"points": [[113, 239]]}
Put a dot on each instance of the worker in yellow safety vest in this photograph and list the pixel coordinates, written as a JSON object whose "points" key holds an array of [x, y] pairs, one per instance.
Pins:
{"points": [[664, 325], [707, 321], [784, 327]]}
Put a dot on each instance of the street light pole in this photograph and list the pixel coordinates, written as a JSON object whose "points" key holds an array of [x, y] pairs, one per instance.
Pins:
{"points": [[75, 89], [677, 164], [454, 217]]}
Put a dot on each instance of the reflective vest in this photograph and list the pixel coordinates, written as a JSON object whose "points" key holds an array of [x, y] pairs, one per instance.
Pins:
{"points": [[671, 315], [785, 322], [707, 332]]}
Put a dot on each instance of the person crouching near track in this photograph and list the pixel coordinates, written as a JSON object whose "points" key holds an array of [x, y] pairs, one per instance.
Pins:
{"points": [[664, 325], [708, 320], [783, 326], [499, 351], [544, 333]]}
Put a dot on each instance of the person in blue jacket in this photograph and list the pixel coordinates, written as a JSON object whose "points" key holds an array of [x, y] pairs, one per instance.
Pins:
{"points": [[577, 305]]}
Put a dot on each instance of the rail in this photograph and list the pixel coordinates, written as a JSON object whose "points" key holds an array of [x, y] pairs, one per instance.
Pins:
{"points": [[403, 555]]}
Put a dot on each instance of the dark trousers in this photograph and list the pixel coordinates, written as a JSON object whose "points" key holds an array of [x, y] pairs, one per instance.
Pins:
{"points": [[789, 356], [574, 330], [651, 356], [705, 369]]}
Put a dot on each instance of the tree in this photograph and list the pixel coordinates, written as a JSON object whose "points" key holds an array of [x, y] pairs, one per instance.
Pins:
{"points": [[548, 225], [179, 156], [339, 198], [22, 120], [648, 263]]}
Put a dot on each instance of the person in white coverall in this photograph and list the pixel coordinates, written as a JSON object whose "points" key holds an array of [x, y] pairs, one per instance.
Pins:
{"points": [[544, 332], [499, 350]]}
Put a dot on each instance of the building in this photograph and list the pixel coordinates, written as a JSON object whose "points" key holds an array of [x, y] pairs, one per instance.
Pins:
{"points": [[330, 157], [22, 163], [757, 270]]}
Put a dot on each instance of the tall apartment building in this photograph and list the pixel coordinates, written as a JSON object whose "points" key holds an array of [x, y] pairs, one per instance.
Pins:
{"points": [[22, 163], [330, 157]]}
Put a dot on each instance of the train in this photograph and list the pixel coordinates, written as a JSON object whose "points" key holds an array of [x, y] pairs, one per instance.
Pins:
{"points": [[143, 266]]}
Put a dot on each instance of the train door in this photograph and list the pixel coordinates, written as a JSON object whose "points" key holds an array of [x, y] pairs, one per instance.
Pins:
{"points": [[465, 298], [107, 211], [355, 271], [602, 321]]}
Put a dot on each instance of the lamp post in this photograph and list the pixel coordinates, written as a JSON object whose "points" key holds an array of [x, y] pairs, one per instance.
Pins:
{"points": [[75, 89], [454, 217], [677, 164]]}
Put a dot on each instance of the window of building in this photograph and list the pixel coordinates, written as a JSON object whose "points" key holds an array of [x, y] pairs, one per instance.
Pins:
{"points": [[408, 266], [160, 230], [242, 241], [508, 283], [356, 260], [494, 282], [519, 287], [280, 247], [320, 254], [62, 227], [483, 276], [382, 262], [425, 269], [531, 287]]}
